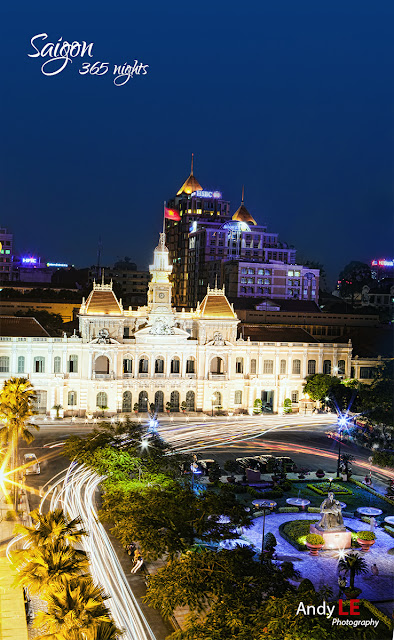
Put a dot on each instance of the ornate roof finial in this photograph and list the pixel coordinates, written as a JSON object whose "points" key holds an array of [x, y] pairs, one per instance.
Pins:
{"points": [[191, 172], [243, 193], [216, 280], [102, 276]]}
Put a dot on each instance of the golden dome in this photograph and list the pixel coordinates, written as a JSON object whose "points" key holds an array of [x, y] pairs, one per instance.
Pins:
{"points": [[243, 215], [191, 184]]}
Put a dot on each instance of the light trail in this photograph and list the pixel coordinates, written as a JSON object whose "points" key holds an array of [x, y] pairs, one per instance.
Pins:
{"points": [[74, 492]]}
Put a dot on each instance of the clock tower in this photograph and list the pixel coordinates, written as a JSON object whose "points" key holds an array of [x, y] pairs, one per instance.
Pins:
{"points": [[159, 292]]}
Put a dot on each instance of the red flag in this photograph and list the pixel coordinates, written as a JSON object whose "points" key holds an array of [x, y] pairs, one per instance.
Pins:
{"points": [[171, 214]]}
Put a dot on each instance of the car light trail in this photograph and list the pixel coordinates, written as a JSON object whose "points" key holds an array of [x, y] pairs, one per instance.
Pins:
{"points": [[74, 492]]}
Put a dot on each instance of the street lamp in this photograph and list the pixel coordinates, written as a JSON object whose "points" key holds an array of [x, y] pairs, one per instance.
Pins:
{"points": [[342, 422], [265, 511]]}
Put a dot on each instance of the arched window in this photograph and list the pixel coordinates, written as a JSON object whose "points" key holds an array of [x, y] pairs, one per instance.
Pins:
{"points": [[127, 365], [253, 366], [101, 365], [217, 399], [73, 364], [102, 400], [143, 401], [143, 365], [21, 364], [72, 398], [294, 396], [4, 364], [159, 365], [239, 365], [190, 401], [175, 365], [39, 364], [57, 364], [296, 367], [191, 366], [238, 397], [341, 367], [283, 367], [327, 367], [126, 402], [159, 401], [174, 400], [217, 366], [268, 366], [311, 367]]}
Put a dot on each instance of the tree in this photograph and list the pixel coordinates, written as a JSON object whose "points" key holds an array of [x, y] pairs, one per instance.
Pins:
{"points": [[346, 460], [353, 564], [287, 404], [52, 529], [257, 406], [42, 569], [75, 609], [319, 385], [16, 407], [353, 278], [52, 322], [377, 398]]}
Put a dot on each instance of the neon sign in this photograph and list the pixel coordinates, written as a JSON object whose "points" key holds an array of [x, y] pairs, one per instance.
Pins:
{"points": [[382, 263], [207, 194], [29, 260], [57, 264]]}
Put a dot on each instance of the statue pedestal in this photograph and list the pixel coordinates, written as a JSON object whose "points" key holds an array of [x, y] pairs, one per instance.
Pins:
{"points": [[339, 539]]}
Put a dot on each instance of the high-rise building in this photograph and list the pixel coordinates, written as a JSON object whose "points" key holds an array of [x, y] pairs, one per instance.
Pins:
{"points": [[6, 254]]}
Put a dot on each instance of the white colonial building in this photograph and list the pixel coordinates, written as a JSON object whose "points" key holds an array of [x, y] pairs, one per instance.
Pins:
{"points": [[158, 355]]}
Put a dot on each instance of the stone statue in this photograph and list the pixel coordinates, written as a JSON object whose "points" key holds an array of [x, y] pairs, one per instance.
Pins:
{"points": [[331, 514]]}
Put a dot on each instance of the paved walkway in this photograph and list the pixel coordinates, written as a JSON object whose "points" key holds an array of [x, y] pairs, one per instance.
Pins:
{"points": [[322, 570]]}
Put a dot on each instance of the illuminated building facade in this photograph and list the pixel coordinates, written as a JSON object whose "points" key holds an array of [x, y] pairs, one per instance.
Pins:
{"points": [[158, 355], [6, 254], [382, 269]]}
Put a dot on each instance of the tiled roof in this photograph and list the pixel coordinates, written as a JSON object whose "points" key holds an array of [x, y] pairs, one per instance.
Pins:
{"points": [[243, 215], [102, 303], [190, 185], [12, 326], [216, 305], [263, 333]]}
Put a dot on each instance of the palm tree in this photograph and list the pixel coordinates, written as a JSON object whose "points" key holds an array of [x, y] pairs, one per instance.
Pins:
{"points": [[74, 611], [51, 529], [16, 407], [45, 568], [346, 460], [354, 564], [103, 631]]}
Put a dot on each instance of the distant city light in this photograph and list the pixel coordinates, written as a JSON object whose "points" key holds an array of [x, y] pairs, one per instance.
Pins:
{"points": [[57, 264], [193, 227], [382, 263], [207, 194], [30, 260]]}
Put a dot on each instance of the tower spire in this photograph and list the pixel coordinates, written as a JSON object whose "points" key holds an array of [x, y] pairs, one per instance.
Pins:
{"points": [[191, 172], [102, 277], [243, 193]]}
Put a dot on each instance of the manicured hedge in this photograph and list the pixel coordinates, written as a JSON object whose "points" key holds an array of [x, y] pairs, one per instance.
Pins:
{"points": [[288, 510], [377, 613], [323, 488], [375, 493], [294, 529]]}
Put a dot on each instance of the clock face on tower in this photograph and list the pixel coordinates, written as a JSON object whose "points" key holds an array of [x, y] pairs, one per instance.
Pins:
{"points": [[161, 295]]}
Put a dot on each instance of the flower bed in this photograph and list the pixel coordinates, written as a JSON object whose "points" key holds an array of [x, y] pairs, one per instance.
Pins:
{"points": [[323, 488]]}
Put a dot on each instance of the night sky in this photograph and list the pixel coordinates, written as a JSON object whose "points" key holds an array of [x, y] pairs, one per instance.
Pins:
{"points": [[294, 99]]}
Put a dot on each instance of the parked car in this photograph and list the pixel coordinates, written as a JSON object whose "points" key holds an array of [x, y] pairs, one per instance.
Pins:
{"points": [[30, 459]]}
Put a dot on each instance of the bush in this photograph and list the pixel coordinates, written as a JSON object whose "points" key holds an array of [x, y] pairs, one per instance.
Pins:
{"points": [[274, 493], [366, 535], [10, 516], [286, 485], [257, 406], [306, 585], [287, 406], [289, 510], [383, 459], [252, 492], [320, 473], [269, 541], [313, 509], [231, 466], [314, 538]]}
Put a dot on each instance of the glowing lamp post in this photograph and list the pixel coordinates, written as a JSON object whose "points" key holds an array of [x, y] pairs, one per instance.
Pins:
{"points": [[342, 423]]}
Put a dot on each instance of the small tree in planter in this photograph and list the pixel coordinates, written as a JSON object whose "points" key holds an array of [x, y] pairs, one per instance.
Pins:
{"points": [[314, 543], [353, 564], [231, 466], [269, 544], [57, 408], [287, 406], [303, 472], [257, 407], [320, 473], [168, 407], [346, 461], [136, 407], [214, 472], [183, 406], [366, 539]]}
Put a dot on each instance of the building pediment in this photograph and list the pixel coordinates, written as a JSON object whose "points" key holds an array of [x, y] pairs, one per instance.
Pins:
{"points": [[161, 333]]}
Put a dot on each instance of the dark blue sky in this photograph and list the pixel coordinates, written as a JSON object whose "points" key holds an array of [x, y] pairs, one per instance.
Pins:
{"points": [[292, 99]]}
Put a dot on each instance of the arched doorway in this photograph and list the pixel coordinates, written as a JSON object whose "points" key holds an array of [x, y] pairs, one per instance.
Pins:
{"points": [[101, 365], [190, 401], [217, 366], [174, 400], [126, 402], [159, 401], [143, 401]]}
